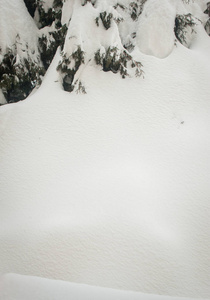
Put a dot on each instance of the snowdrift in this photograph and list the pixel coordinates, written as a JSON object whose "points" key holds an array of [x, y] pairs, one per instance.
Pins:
{"points": [[111, 187], [17, 287]]}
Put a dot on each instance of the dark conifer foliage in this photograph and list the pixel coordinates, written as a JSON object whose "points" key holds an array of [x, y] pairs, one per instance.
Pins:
{"points": [[31, 6], [22, 68]]}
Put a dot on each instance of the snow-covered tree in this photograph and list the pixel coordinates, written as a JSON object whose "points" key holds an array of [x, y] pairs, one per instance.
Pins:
{"points": [[28, 42], [101, 33], [20, 63]]}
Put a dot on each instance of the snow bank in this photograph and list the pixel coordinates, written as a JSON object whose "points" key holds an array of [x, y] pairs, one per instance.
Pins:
{"points": [[17, 287], [2, 98], [111, 188], [155, 35]]}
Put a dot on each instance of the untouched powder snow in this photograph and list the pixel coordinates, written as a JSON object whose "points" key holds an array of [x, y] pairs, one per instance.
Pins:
{"points": [[156, 28], [16, 287], [111, 188], [155, 34]]}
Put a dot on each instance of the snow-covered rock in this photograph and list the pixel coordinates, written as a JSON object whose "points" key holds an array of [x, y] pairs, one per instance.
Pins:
{"points": [[155, 34]]}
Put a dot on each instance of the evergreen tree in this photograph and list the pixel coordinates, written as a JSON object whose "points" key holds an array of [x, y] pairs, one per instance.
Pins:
{"points": [[101, 33]]}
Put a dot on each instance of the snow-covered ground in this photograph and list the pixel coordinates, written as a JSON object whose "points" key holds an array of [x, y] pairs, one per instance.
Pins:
{"points": [[16, 287], [111, 188]]}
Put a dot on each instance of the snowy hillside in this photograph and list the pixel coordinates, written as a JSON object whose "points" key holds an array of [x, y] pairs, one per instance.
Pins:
{"points": [[89, 32], [108, 184]]}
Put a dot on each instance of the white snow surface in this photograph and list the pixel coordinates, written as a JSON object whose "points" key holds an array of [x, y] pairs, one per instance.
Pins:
{"points": [[10, 31], [111, 188], [2, 98], [16, 287], [155, 34]]}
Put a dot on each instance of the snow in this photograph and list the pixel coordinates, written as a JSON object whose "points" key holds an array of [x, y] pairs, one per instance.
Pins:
{"points": [[83, 31], [155, 35], [2, 98], [15, 39], [16, 287], [111, 188], [16, 10], [67, 11], [196, 8]]}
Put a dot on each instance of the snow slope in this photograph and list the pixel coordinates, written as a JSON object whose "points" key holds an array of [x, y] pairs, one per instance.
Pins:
{"points": [[16, 287], [111, 188]]}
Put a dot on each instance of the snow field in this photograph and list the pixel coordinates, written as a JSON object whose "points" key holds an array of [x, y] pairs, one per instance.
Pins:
{"points": [[111, 188], [34, 288]]}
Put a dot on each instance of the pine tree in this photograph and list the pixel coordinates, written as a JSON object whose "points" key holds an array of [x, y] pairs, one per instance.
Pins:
{"points": [[101, 33]]}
